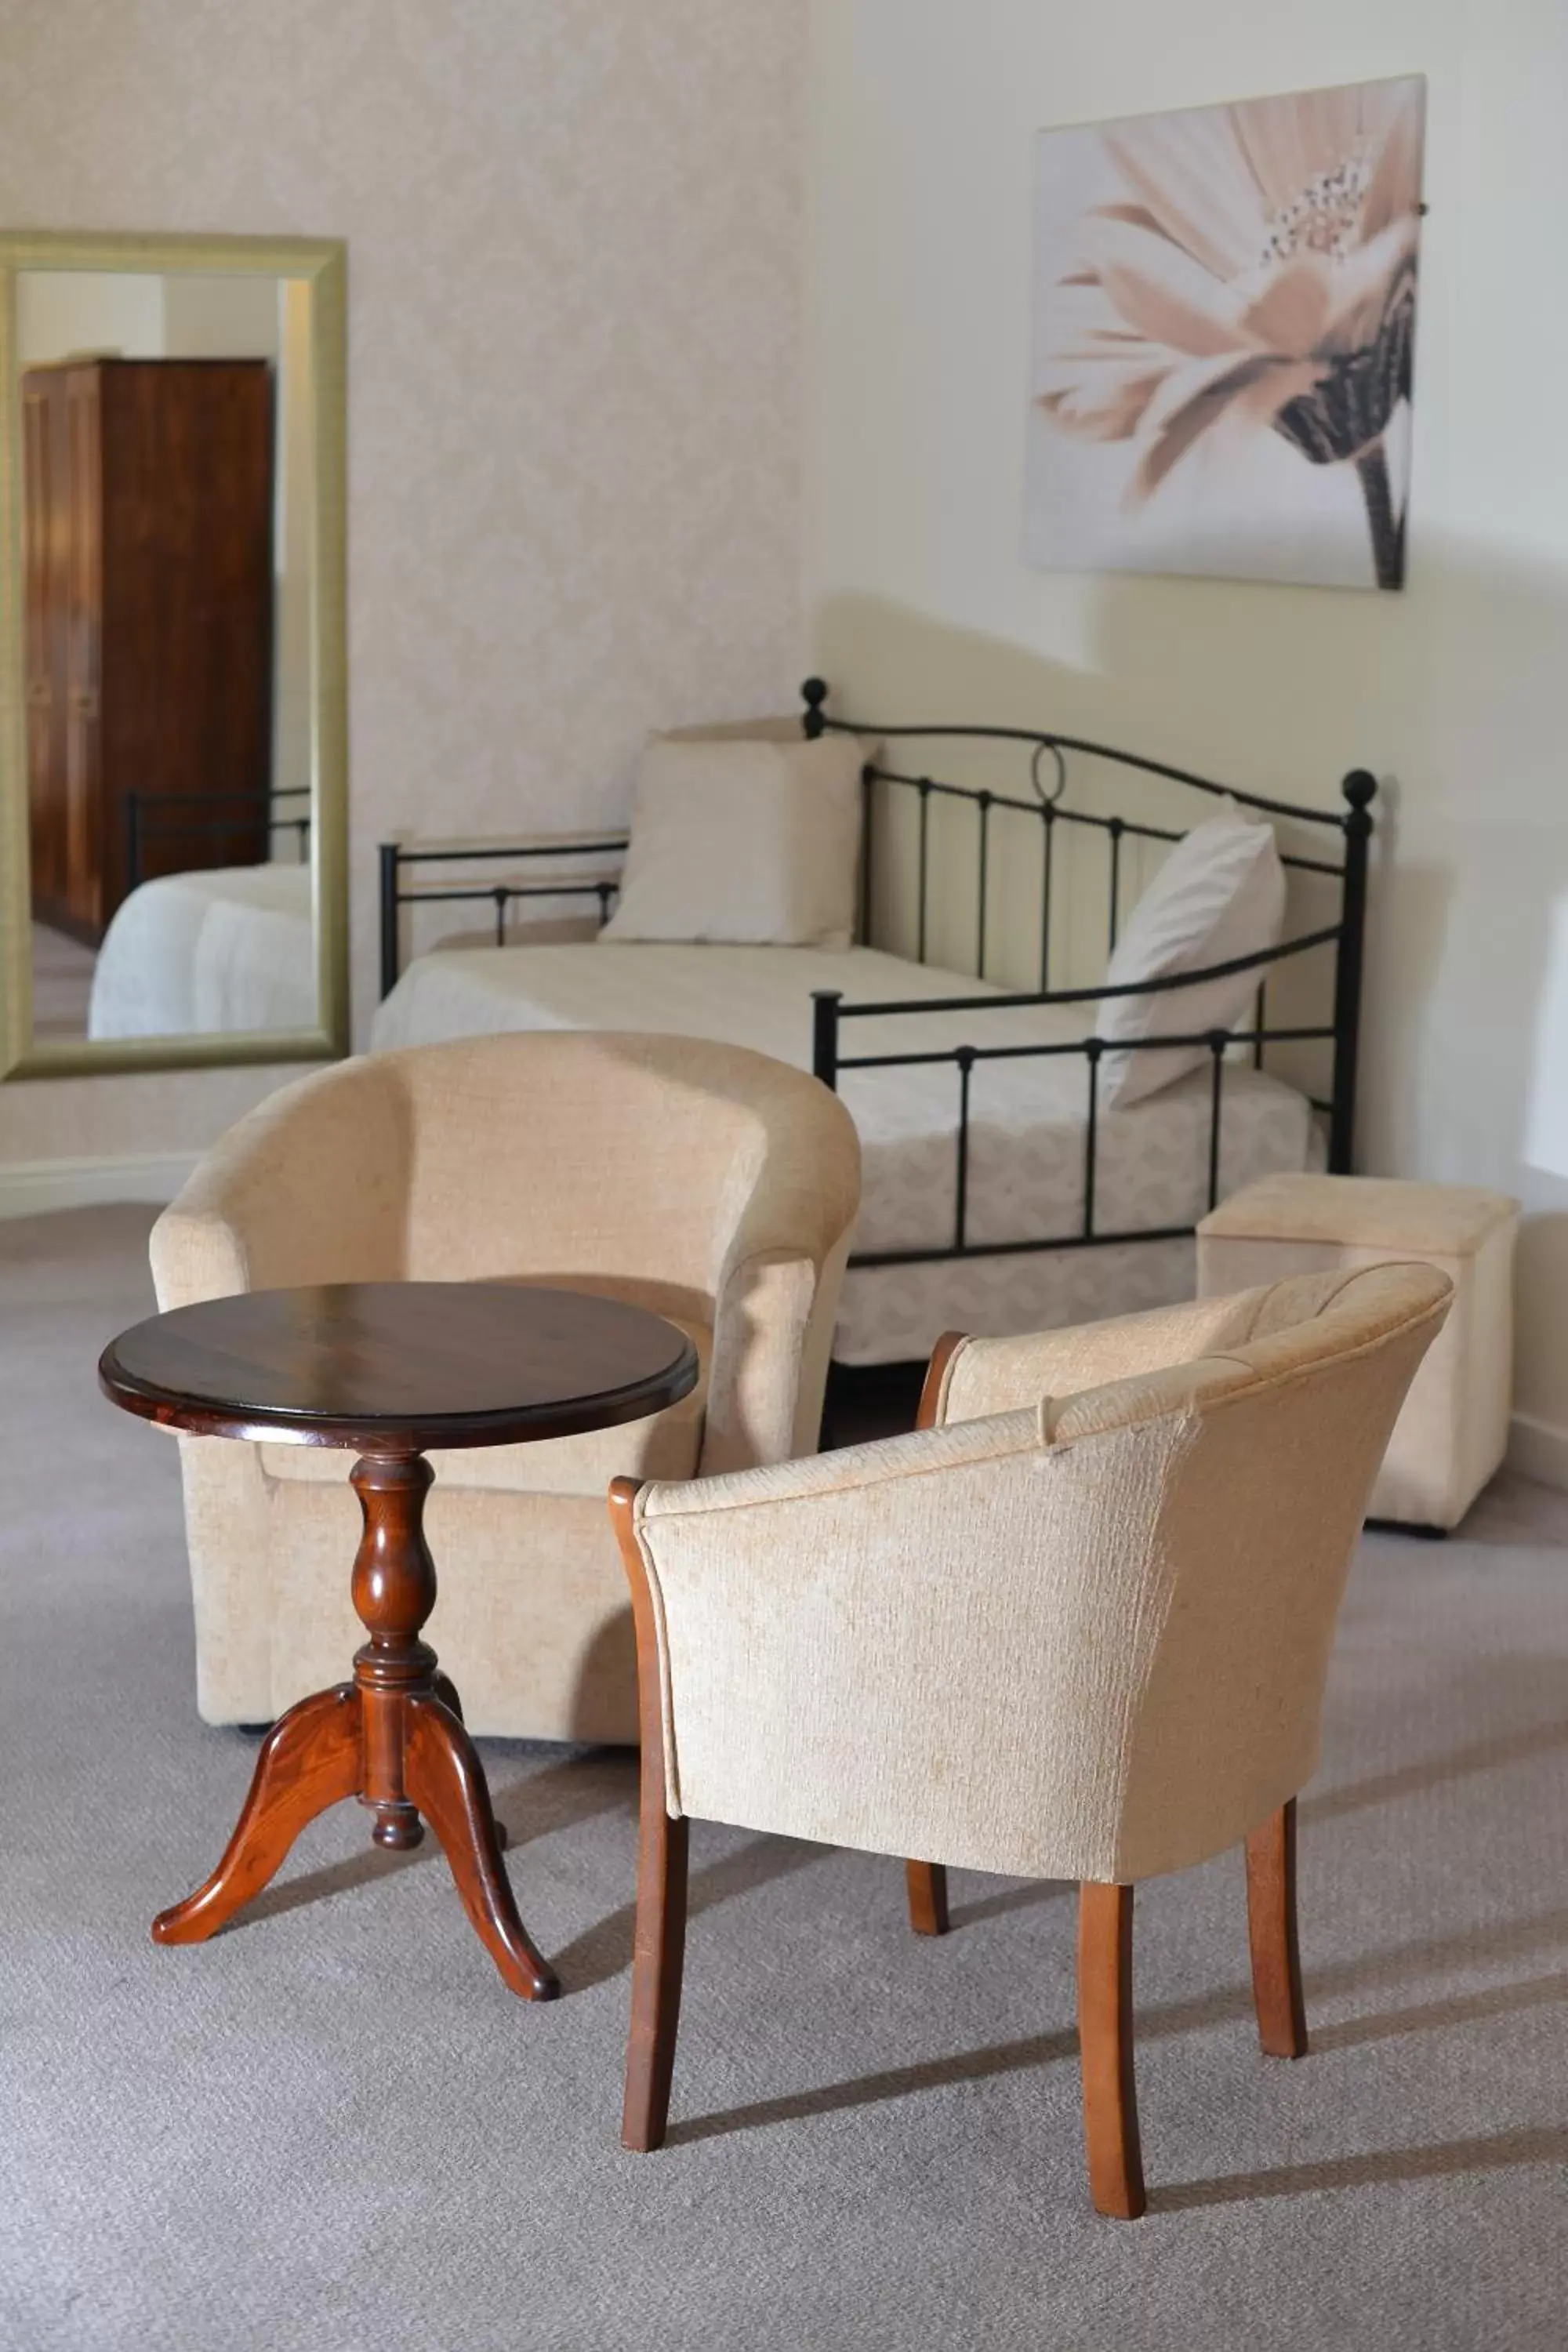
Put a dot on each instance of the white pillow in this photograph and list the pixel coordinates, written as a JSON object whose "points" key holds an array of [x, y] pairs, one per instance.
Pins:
{"points": [[751, 842], [1220, 894]]}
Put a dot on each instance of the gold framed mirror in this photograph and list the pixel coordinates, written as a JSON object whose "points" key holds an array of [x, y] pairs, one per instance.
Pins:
{"points": [[174, 688]]}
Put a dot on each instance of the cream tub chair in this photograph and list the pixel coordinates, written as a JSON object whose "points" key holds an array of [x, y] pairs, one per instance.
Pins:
{"points": [[1080, 1629], [710, 1183]]}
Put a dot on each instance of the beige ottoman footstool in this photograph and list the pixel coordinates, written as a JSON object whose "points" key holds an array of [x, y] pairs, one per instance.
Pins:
{"points": [[1453, 1430]]}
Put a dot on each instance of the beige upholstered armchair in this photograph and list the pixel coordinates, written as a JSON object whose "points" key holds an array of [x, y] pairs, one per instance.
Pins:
{"points": [[1078, 1628], [712, 1184]]}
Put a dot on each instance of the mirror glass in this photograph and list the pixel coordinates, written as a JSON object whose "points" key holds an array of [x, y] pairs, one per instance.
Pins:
{"points": [[170, 481]]}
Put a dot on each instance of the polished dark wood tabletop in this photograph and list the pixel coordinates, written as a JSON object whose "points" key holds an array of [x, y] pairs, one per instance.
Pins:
{"points": [[400, 1366]]}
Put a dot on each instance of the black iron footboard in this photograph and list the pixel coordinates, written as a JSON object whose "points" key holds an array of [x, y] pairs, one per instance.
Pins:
{"points": [[398, 859], [1341, 1030]]}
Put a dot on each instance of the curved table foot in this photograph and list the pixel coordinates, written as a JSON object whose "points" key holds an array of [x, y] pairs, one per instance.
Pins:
{"points": [[309, 1760], [445, 1780]]}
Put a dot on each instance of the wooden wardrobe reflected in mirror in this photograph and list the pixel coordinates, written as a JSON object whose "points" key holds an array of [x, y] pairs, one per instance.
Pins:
{"points": [[148, 515]]}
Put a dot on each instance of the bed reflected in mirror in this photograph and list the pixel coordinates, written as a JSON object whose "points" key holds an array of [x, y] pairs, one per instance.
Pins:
{"points": [[177, 454]]}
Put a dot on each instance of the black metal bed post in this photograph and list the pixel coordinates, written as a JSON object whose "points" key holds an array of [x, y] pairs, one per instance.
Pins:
{"points": [[965, 1057], [1094, 1047], [867, 819], [1218, 1041], [1360, 789], [825, 1004], [389, 941]]}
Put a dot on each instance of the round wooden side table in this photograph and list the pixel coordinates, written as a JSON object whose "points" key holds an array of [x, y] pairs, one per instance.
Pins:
{"points": [[390, 1369]]}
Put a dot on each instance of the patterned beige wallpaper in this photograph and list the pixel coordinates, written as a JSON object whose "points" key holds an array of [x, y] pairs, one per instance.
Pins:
{"points": [[574, 238]]}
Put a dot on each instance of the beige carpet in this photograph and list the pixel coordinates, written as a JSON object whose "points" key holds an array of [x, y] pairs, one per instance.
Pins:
{"points": [[333, 2128]]}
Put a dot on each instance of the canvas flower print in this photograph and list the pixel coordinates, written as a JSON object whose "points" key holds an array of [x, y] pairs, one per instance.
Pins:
{"points": [[1224, 316]]}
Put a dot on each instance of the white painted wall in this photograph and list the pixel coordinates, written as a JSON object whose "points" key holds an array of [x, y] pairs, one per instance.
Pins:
{"points": [[62, 311], [212, 318], [918, 313], [575, 287]]}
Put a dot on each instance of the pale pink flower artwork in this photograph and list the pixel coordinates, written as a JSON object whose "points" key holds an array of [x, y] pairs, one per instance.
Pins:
{"points": [[1224, 320]]}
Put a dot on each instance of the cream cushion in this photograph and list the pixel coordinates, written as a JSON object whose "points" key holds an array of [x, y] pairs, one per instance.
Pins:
{"points": [[707, 1182], [1453, 1430], [744, 840], [1220, 894], [1082, 1636]]}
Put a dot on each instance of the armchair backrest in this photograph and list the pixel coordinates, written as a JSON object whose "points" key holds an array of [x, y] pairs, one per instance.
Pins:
{"points": [[1088, 1639], [662, 1160], [669, 1162], [1277, 1446]]}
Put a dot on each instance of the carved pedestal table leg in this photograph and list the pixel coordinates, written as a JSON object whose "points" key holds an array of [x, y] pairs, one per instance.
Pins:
{"points": [[393, 1737]]}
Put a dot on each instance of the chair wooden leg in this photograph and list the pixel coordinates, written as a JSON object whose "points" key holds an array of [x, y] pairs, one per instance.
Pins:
{"points": [[657, 1959], [658, 1952], [1271, 1933], [1105, 2046], [927, 1883]]}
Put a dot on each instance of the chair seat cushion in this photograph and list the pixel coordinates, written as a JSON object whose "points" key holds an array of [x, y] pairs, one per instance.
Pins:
{"points": [[664, 1446]]}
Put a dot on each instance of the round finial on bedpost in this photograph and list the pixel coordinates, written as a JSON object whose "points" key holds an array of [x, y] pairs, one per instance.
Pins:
{"points": [[1360, 790], [814, 694]]}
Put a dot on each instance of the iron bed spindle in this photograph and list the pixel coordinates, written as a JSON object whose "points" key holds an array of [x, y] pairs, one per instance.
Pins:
{"points": [[1116, 831], [985, 852], [964, 1057], [1094, 1047], [825, 1004], [1049, 811], [867, 816], [1217, 1043], [388, 857], [925, 860]]}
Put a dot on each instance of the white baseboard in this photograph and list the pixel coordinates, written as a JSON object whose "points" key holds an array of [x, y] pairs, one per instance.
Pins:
{"points": [[1538, 1450], [30, 1188]]}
